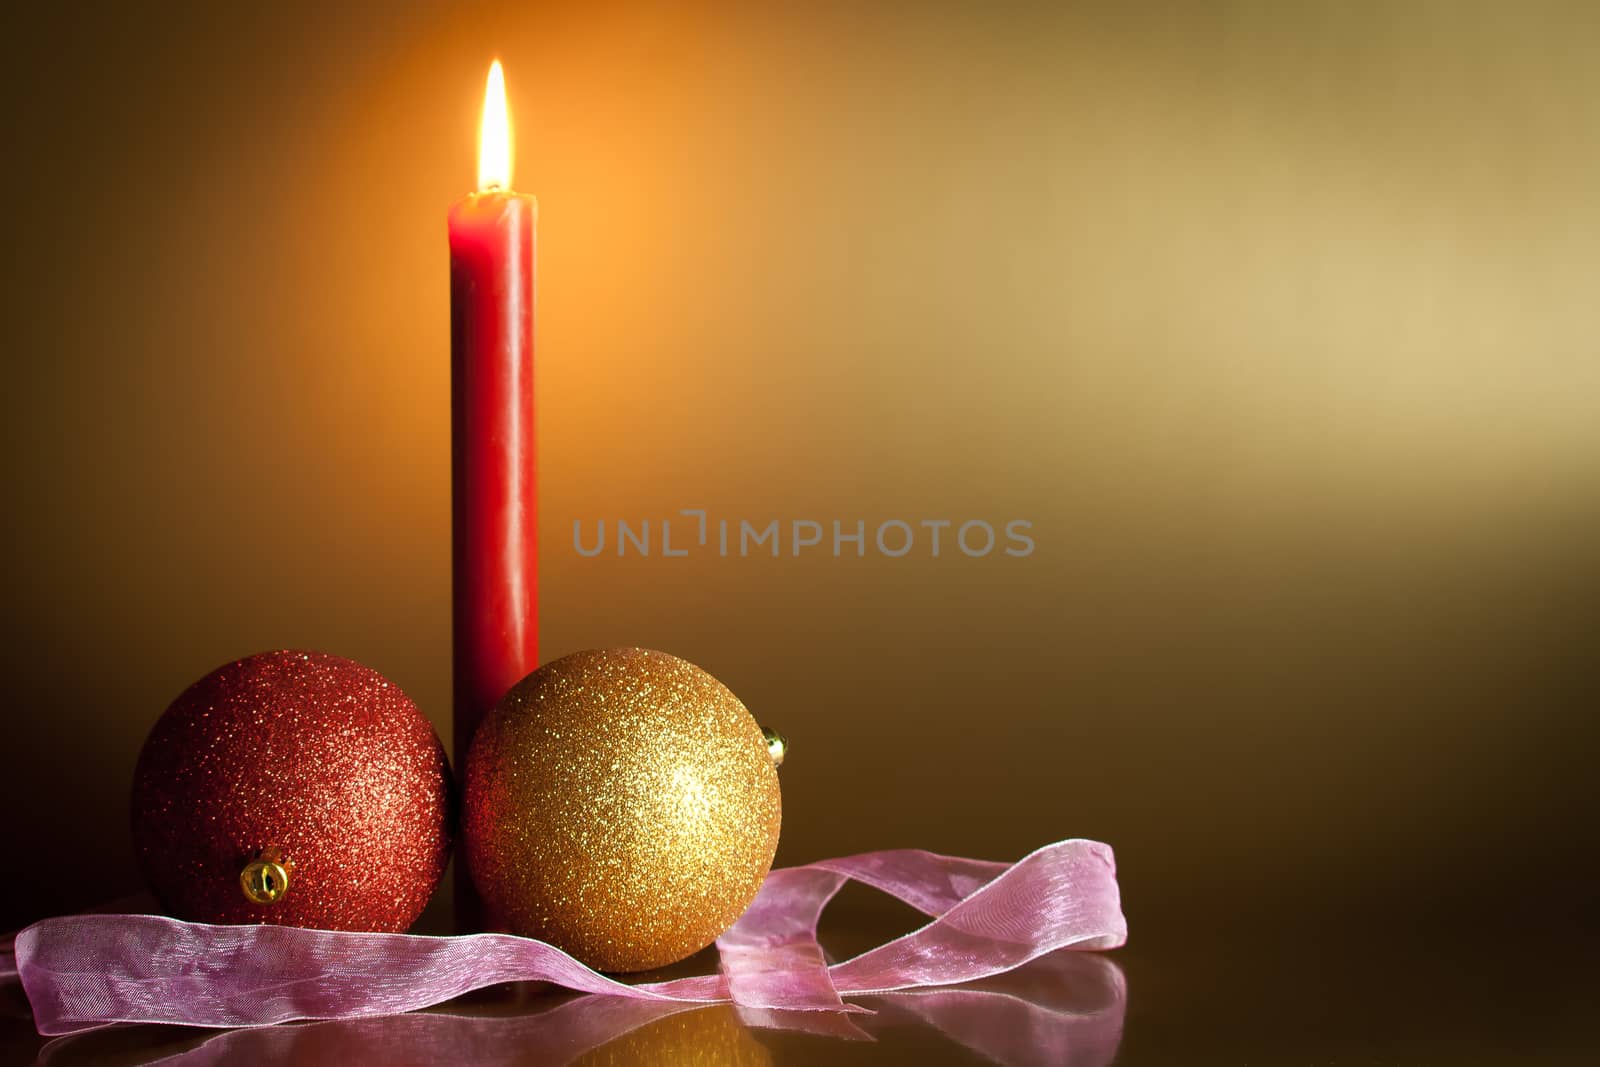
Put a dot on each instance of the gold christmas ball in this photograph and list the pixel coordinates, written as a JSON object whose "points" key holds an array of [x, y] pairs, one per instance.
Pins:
{"points": [[622, 805]]}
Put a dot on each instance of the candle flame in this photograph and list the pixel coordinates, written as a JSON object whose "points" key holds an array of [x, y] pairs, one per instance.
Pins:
{"points": [[494, 134]]}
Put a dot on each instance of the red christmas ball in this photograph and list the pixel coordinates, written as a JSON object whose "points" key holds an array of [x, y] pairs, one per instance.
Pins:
{"points": [[295, 788]]}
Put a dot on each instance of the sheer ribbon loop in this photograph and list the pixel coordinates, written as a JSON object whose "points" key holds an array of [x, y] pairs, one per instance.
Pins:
{"points": [[84, 971]]}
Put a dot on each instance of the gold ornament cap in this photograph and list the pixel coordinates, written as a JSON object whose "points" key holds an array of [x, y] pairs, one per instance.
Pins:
{"points": [[265, 879], [777, 745]]}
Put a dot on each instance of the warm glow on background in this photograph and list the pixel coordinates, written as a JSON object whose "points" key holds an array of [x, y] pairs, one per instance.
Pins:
{"points": [[494, 135], [1277, 320]]}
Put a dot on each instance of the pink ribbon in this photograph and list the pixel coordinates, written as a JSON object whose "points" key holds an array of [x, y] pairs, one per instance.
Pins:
{"points": [[84, 971], [1064, 1009]]}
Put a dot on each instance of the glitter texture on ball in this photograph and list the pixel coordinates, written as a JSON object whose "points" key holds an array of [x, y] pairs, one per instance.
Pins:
{"points": [[620, 804], [294, 788]]}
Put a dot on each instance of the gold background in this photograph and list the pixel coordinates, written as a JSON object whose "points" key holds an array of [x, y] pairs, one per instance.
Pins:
{"points": [[1277, 320]]}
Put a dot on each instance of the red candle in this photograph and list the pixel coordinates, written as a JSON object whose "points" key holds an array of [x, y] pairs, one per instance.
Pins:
{"points": [[494, 488]]}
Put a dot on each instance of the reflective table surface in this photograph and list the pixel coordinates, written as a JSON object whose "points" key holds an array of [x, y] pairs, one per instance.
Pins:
{"points": [[1298, 998]]}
